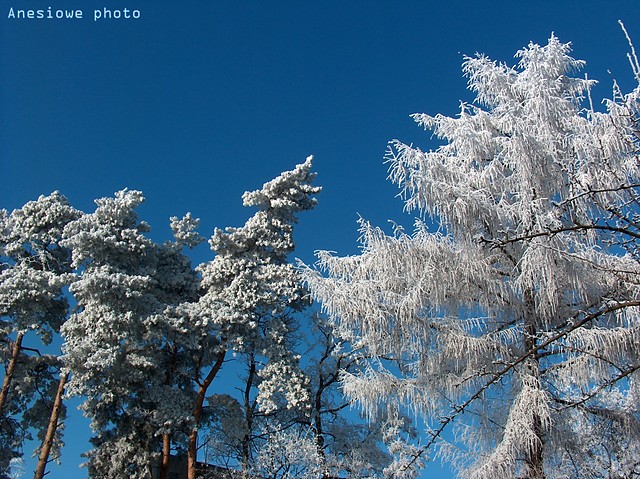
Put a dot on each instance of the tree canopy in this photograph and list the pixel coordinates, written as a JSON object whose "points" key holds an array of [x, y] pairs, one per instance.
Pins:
{"points": [[511, 311]]}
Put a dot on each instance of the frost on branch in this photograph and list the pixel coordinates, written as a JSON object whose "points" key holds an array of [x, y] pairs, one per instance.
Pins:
{"points": [[518, 318], [288, 454], [184, 231]]}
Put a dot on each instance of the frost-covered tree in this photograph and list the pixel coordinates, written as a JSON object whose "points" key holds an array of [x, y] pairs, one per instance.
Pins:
{"points": [[288, 454], [512, 309], [105, 336], [346, 445], [237, 425], [250, 292], [34, 269], [149, 335], [127, 341], [331, 439]]}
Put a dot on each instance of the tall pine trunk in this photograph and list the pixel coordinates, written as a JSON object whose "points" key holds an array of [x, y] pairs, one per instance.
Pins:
{"points": [[166, 456], [45, 449], [192, 448], [13, 361]]}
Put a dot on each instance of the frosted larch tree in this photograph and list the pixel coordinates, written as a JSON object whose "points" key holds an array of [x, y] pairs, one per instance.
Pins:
{"points": [[512, 309], [250, 290], [34, 269]]}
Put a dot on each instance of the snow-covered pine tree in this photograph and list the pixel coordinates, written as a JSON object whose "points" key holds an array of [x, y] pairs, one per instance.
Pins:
{"points": [[127, 341], [143, 345], [250, 292], [34, 269], [512, 311]]}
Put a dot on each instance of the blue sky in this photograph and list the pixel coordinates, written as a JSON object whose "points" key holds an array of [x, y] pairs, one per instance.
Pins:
{"points": [[197, 101]]}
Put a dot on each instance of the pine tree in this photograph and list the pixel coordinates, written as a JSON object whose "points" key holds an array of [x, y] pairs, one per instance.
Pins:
{"points": [[511, 312], [149, 336], [250, 291], [34, 270], [128, 338]]}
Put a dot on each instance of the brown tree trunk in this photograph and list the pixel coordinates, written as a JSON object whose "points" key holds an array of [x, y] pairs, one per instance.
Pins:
{"points": [[192, 449], [166, 437], [45, 449], [166, 456], [6, 384]]}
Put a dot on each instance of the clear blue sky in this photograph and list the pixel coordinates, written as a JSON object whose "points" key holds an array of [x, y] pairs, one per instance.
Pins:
{"points": [[197, 101]]}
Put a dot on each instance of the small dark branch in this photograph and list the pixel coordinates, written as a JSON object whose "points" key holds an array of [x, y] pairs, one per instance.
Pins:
{"points": [[605, 385], [335, 409], [33, 350], [622, 187], [499, 243]]}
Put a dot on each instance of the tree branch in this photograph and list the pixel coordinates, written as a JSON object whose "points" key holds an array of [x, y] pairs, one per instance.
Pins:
{"points": [[459, 409]]}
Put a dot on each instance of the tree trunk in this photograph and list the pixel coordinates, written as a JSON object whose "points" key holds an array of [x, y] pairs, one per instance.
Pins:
{"points": [[248, 414], [192, 449], [535, 462], [166, 437], [45, 449], [6, 384], [166, 456], [535, 457], [319, 432]]}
